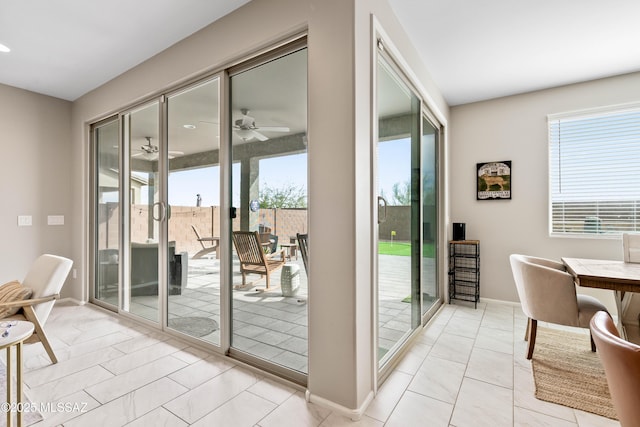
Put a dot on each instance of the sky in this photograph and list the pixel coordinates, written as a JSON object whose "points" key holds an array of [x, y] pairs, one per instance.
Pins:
{"points": [[277, 172]]}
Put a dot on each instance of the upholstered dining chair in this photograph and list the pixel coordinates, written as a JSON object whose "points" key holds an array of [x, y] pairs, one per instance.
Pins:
{"points": [[621, 362], [45, 278], [547, 293], [631, 247]]}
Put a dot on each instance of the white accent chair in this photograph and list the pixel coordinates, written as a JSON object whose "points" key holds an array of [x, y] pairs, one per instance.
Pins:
{"points": [[45, 277], [547, 293]]}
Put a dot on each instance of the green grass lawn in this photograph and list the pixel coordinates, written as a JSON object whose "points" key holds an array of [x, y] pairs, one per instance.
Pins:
{"points": [[404, 249]]}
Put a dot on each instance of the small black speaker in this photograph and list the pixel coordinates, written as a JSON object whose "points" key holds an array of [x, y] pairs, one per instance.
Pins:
{"points": [[459, 231]]}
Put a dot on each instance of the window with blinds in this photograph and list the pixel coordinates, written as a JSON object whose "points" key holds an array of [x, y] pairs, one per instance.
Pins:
{"points": [[594, 167]]}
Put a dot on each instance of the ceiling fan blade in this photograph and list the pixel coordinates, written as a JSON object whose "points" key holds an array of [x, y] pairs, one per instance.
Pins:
{"points": [[274, 128], [259, 136]]}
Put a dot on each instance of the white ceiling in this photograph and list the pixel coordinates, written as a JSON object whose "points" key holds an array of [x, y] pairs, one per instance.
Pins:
{"points": [[474, 49]]}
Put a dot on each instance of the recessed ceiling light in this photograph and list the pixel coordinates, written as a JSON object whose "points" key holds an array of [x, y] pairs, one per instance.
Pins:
{"points": [[3, 48], [188, 126]]}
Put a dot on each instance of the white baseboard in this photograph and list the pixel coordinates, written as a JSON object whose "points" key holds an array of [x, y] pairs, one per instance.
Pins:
{"points": [[353, 414]]}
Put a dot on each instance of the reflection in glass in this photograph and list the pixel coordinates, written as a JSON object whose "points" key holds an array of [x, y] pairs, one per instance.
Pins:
{"points": [[430, 291], [107, 212]]}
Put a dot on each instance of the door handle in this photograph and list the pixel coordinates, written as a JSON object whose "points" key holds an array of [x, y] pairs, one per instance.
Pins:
{"points": [[162, 211], [383, 218]]}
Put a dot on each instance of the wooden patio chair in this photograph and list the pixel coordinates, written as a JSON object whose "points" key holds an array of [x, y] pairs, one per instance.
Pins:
{"points": [[215, 244], [304, 249], [253, 259]]}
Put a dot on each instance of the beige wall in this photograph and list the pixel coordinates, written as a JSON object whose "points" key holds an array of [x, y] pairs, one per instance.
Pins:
{"points": [[515, 128], [35, 180]]}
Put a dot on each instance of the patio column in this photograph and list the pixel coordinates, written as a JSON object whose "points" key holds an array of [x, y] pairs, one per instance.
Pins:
{"points": [[250, 188]]}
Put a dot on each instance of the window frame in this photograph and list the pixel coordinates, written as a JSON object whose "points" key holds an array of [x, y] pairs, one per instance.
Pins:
{"points": [[553, 171]]}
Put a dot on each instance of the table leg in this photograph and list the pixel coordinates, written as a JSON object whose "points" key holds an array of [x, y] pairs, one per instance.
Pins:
{"points": [[8, 374], [622, 302], [19, 381]]}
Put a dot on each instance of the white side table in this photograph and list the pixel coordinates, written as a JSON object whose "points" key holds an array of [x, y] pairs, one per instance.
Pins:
{"points": [[13, 333]]}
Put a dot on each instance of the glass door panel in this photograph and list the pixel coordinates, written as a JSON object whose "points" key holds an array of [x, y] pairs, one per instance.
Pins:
{"points": [[397, 179], [107, 212], [430, 289], [193, 250], [269, 193], [142, 131]]}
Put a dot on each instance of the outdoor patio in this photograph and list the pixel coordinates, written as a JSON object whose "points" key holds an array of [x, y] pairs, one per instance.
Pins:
{"points": [[266, 323]]}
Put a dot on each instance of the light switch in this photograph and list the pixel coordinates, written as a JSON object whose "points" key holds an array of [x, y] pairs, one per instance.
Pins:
{"points": [[24, 220], [55, 220]]}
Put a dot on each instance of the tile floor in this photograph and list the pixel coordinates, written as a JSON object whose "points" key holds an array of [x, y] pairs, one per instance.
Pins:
{"points": [[467, 368]]}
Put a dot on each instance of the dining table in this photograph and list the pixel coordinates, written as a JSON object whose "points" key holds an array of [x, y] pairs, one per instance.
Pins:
{"points": [[619, 276]]}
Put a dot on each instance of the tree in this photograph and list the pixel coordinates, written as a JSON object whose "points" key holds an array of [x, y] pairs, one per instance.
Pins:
{"points": [[401, 194], [287, 196]]}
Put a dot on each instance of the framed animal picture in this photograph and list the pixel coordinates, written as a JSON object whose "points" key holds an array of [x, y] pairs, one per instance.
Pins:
{"points": [[494, 180]]}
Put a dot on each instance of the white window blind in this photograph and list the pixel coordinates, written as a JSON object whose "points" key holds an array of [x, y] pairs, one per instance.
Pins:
{"points": [[595, 172]]}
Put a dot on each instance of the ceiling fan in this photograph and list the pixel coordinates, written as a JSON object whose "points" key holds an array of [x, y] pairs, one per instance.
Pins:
{"points": [[150, 152], [246, 128]]}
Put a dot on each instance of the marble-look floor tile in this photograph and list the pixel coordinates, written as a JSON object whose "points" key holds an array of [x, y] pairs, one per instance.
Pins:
{"points": [[131, 406], [495, 339], [295, 412], [68, 367], [244, 410], [483, 405], [439, 379], [202, 371], [336, 420], [491, 366], [416, 409], [143, 356], [271, 390], [452, 347], [388, 396], [134, 379], [527, 418], [196, 403], [73, 383], [158, 417], [524, 397]]}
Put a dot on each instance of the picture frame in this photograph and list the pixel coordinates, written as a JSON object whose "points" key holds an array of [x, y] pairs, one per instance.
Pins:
{"points": [[493, 180]]}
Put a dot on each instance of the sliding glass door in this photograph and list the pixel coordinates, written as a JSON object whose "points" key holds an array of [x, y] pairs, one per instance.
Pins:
{"points": [[171, 201], [398, 210], [269, 155], [106, 211], [145, 212], [407, 210], [429, 181], [193, 190]]}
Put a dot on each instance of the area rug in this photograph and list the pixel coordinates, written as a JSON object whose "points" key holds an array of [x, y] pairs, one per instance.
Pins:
{"points": [[28, 418], [567, 372], [194, 326]]}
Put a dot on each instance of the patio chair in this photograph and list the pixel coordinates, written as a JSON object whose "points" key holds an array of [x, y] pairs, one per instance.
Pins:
{"points": [[304, 249], [45, 278], [252, 256], [215, 242]]}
